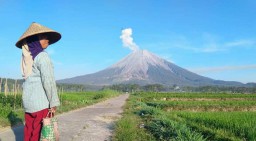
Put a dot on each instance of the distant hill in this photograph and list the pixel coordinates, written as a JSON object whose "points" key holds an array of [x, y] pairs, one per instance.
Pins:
{"points": [[143, 67]]}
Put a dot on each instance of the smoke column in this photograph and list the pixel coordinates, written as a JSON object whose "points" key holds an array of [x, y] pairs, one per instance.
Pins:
{"points": [[128, 40]]}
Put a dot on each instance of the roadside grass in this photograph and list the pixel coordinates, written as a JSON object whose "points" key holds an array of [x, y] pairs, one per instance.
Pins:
{"points": [[130, 127], [10, 116]]}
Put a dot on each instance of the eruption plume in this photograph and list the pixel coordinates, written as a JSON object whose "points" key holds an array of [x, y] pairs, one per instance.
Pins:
{"points": [[128, 40]]}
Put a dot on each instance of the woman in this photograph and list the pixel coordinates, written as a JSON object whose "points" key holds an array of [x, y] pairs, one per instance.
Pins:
{"points": [[39, 88]]}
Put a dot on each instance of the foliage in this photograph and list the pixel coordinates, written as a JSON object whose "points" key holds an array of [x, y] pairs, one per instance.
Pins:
{"points": [[240, 124], [125, 87], [166, 129], [71, 87], [219, 89], [130, 127], [11, 100], [175, 88], [154, 87], [127, 129]]}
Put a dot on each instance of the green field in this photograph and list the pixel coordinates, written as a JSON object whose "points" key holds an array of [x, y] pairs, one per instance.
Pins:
{"points": [[152, 116], [12, 114], [190, 117]]}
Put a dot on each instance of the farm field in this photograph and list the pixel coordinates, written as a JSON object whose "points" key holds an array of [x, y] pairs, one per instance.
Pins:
{"points": [[188, 116], [12, 114]]}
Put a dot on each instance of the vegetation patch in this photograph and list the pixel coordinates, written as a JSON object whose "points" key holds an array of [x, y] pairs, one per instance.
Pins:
{"points": [[193, 116], [130, 127]]}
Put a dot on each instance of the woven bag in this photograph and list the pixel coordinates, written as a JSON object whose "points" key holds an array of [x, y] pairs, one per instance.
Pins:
{"points": [[49, 130]]}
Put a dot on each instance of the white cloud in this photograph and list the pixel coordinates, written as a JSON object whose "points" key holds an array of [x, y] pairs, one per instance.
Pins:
{"points": [[223, 68], [205, 44], [240, 43], [128, 40], [209, 48]]}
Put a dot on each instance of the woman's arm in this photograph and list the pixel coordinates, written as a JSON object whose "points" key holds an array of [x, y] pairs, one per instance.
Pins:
{"points": [[48, 80]]}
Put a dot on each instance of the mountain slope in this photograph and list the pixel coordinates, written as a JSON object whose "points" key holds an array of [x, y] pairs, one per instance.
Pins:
{"points": [[143, 67]]}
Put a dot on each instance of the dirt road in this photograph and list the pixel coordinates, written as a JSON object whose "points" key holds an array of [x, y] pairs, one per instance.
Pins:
{"points": [[92, 123]]}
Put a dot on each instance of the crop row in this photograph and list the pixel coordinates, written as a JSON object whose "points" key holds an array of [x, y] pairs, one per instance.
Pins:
{"points": [[160, 96], [205, 105], [238, 125]]}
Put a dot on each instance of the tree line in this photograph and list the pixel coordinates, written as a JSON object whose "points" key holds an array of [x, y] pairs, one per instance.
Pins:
{"points": [[175, 88], [14, 86]]}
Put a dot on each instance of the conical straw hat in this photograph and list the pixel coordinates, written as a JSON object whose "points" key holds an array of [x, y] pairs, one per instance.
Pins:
{"points": [[36, 28]]}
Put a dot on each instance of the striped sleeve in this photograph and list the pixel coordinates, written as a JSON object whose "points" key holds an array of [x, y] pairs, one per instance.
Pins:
{"points": [[48, 80]]}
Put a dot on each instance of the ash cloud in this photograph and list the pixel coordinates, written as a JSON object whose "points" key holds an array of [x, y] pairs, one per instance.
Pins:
{"points": [[128, 40]]}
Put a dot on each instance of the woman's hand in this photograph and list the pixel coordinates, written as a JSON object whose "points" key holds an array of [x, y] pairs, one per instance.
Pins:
{"points": [[53, 109]]}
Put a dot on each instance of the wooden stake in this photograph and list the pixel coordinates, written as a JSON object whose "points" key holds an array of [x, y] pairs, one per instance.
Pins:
{"points": [[15, 87], [1, 85], [5, 87]]}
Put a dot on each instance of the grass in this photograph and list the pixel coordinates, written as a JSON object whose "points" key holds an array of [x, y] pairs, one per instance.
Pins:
{"points": [[71, 101], [130, 127], [227, 105], [236, 124], [190, 116]]}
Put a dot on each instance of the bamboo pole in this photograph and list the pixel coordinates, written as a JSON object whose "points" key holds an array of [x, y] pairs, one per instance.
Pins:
{"points": [[5, 87], [18, 88], [60, 97], [15, 87], [1, 85], [13, 92]]}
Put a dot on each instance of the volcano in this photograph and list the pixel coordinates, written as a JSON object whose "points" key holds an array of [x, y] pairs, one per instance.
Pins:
{"points": [[143, 67]]}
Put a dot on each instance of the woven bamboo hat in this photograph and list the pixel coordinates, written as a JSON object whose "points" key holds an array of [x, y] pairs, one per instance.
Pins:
{"points": [[35, 29]]}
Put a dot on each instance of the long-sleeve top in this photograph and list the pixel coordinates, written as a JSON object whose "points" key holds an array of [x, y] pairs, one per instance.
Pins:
{"points": [[39, 89]]}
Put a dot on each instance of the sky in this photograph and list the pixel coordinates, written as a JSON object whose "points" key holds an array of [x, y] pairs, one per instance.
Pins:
{"points": [[213, 38]]}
